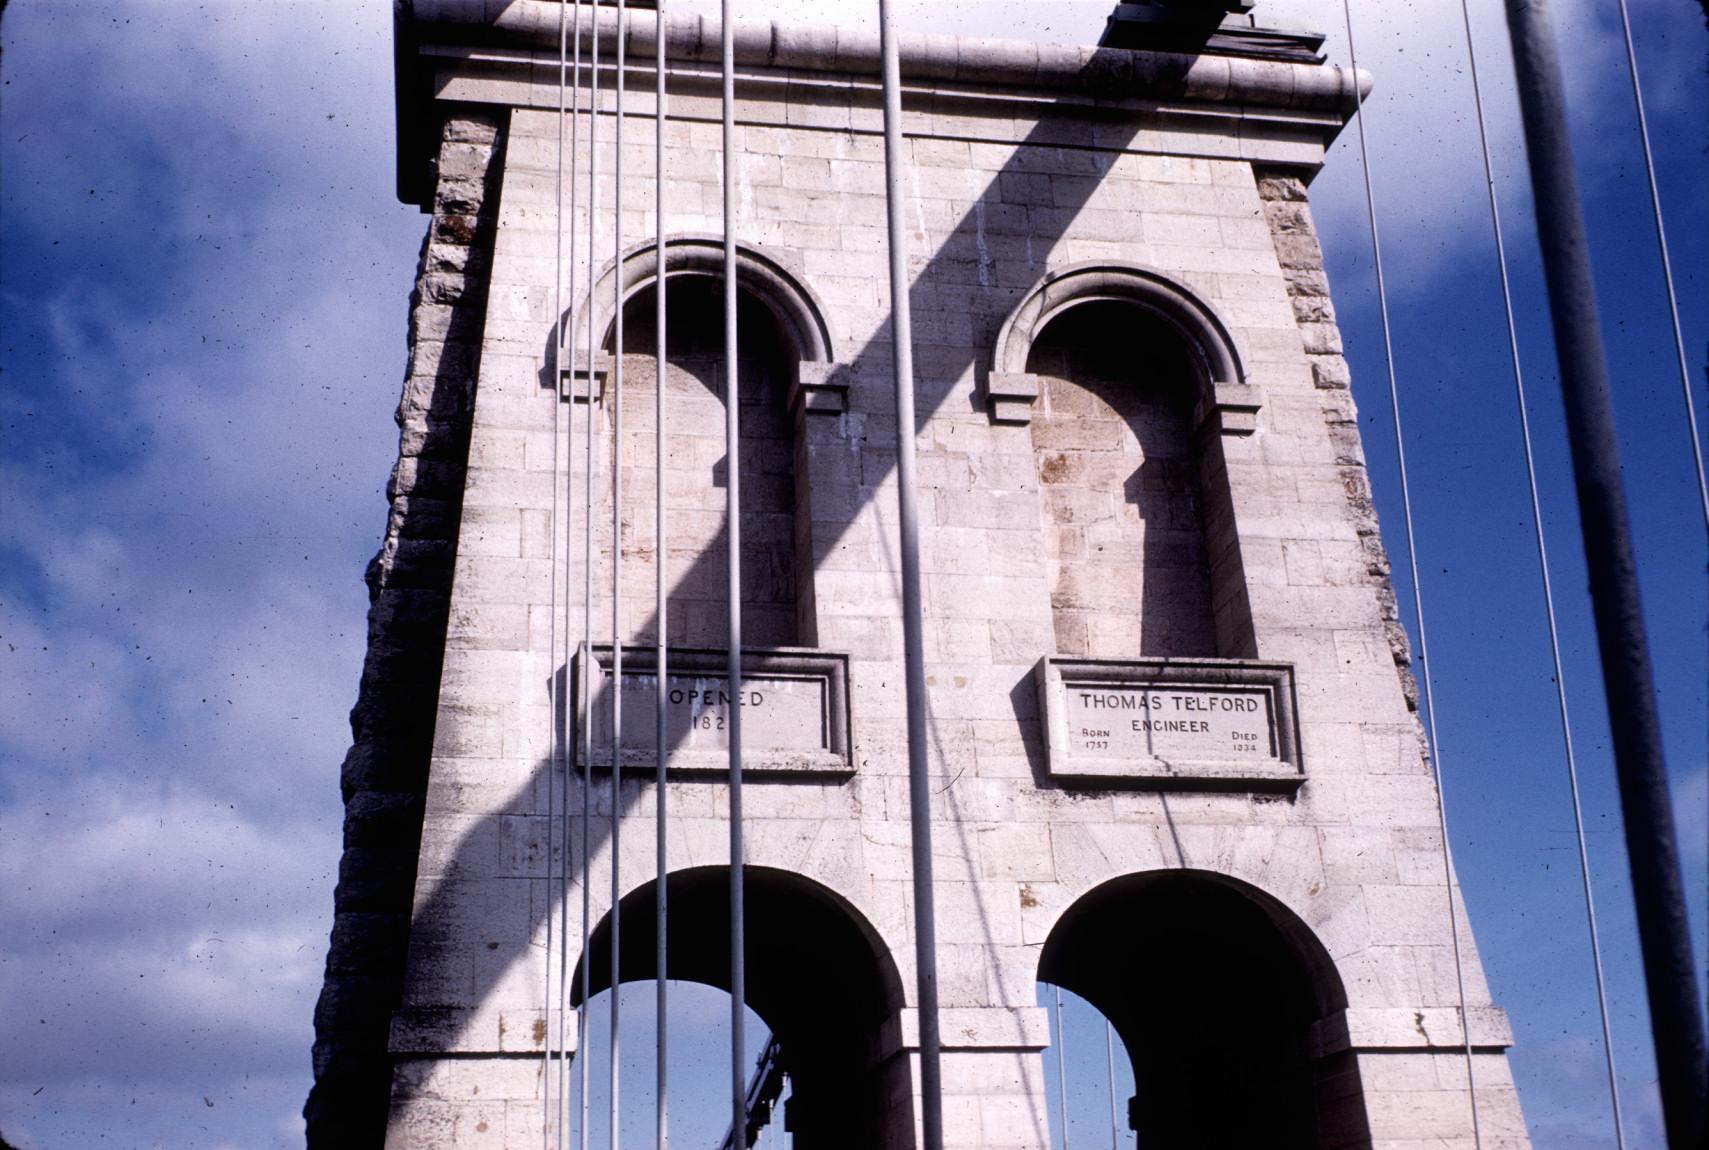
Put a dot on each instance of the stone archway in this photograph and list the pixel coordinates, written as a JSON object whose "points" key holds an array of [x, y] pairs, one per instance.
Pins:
{"points": [[817, 974], [1214, 988]]}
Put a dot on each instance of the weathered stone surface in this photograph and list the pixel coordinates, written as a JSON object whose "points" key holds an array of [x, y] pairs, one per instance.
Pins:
{"points": [[1166, 480], [1297, 250], [384, 777]]}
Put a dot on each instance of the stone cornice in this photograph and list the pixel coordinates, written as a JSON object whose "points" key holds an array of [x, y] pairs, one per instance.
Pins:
{"points": [[1322, 91], [533, 24]]}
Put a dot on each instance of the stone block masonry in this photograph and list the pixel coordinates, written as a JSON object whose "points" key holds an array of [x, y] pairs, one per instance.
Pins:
{"points": [[1137, 449]]}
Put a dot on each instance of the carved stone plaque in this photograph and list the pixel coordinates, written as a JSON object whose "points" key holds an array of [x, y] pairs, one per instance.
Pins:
{"points": [[794, 710], [1170, 723]]}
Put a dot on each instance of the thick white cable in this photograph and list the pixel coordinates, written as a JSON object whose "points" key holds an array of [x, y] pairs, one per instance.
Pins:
{"points": [[617, 350], [1667, 265], [1110, 1069], [733, 537], [1543, 570], [661, 598], [567, 741], [1434, 746], [586, 677], [1061, 1068], [913, 628], [554, 694]]}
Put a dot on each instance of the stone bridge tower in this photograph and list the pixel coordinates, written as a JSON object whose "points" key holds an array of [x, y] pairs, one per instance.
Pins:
{"points": [[1178, 767]]}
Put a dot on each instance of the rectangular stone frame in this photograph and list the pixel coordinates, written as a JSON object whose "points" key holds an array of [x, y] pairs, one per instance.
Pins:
{"points": [[829, 668], [1275, 681]]}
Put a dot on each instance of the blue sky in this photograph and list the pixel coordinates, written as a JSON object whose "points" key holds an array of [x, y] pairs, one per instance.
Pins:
{"points": [[203, 286]]}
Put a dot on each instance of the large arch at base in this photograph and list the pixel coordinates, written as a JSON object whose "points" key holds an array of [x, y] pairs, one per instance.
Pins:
{"points": [[817, 974], [1213, 987]]}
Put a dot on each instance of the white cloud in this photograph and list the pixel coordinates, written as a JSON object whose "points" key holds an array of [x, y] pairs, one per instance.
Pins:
{"points": [[191, 488], [1691, 816], [1567, 1101]]}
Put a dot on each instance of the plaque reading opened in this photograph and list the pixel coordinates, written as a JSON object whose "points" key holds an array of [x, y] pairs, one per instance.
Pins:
{"points": [[794, 710], [1207, 724]]}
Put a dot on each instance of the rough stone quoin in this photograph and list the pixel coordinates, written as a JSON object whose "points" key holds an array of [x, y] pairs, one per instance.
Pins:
{"points": [[384, 778]]}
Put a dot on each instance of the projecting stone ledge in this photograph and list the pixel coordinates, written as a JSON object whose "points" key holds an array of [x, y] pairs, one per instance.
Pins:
{"points": [[957, 59], [472, 51]]}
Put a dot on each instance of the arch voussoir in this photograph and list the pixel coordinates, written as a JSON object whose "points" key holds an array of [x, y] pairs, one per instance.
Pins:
{"points": [[1224, 400]]}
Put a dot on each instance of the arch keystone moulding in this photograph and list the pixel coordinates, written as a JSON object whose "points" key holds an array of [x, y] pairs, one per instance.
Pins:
{"points": [[1224, 403], [820, 380]]}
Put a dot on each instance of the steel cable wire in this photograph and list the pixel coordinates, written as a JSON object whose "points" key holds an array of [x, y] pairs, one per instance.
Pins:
{"points": [[661, 656], [585, 678], [733, 537], [1061, 1068], [1667, 264], [566, 743], [1543, 570], [1110, 1070], [554, 692], [616, 688], [913, 627], [1628, 679], [1412, 566]]}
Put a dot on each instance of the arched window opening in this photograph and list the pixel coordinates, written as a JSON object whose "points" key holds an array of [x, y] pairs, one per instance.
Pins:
{"points": [[817, 982], [775, 535], [1212, 997], [1120, 479]]}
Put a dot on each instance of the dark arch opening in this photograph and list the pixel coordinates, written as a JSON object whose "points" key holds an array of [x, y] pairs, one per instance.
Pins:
{"points": [[1213, 989], [777, 605], [1121, 481], [816, 974]]}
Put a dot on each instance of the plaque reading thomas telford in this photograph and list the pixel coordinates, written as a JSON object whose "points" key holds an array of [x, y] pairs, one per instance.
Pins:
{"points": [[1206, 724], [1122, 722], [794, 710]]}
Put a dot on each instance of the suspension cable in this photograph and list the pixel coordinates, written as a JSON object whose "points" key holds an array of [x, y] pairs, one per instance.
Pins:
{"points": [[1628, 680], [553, 1043], [733, 537], [1434, 746], [913, 627], [617, 578], [1543, 572], [660, 658], [586, 676], [1110, 1069], [1061, 1068], [567, 741], [1667, 264]]}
